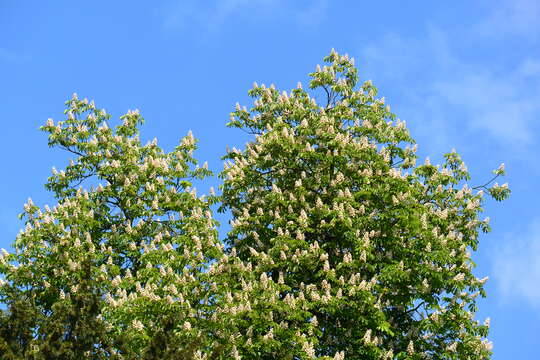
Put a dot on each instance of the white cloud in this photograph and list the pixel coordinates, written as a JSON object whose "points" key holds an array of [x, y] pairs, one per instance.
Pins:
{"points": [[516, 266], [449, 96], [312, 15], [499, 103], [512, 17], [212, 16], [529, 68], [410, 66], [209, 16], [398, 58], [10, 56], [228, 8], [179, 15]]}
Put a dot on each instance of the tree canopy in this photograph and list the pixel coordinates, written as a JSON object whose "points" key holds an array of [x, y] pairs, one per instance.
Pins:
{"points": [[341, 245]]}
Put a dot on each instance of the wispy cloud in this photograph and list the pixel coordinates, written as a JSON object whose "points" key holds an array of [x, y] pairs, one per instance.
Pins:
{"points": [[227, 8], [425, 56], [313, 15], [512, 17], [178, 15], [11, 57], [449, 96], [411, 66], [516, 266], [210, 17], [505, 104]]}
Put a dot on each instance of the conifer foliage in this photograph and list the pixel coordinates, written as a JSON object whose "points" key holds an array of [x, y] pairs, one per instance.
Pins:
{"points": [[341, 245]]}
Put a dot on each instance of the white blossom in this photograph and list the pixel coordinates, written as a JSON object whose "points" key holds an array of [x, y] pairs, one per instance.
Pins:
{"points": [[410, 348], [137, 325]]}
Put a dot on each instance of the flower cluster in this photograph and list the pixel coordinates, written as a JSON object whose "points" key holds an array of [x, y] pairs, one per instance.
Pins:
{"points": [[325, 208], [340, 246]]}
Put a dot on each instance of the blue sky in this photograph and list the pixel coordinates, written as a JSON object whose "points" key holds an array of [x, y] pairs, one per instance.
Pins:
{"points": [[462, 74]]}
